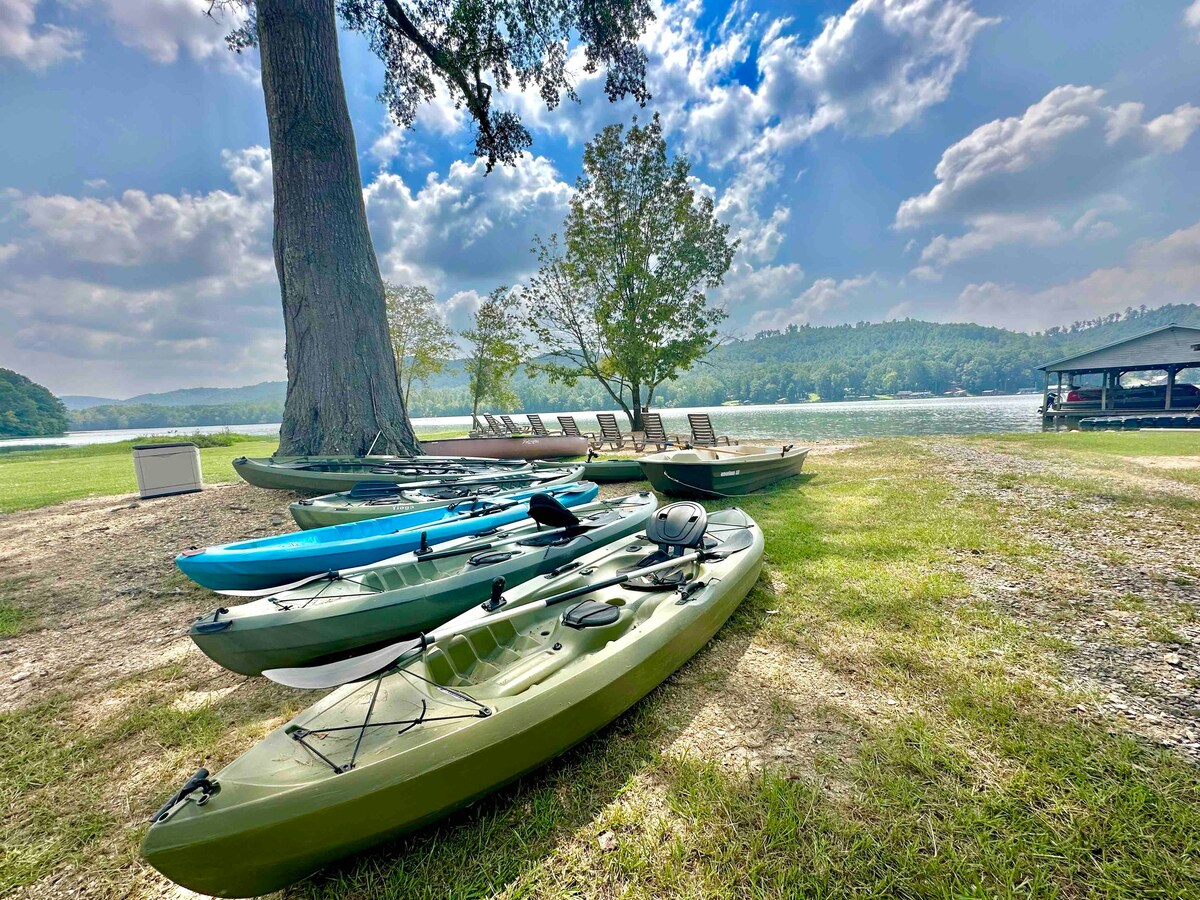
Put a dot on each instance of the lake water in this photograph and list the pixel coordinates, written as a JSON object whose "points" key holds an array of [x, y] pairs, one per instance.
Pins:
{"points": [[793, 421]]}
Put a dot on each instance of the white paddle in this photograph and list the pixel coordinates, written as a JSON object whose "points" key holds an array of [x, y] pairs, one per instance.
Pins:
{"points": [[360, 667]]}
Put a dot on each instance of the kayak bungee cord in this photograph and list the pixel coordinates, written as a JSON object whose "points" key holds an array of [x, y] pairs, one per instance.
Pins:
{"points": [[299, 733]]}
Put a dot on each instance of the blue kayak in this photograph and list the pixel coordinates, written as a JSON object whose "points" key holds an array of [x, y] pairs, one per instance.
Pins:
{"points": [[269, 562]]}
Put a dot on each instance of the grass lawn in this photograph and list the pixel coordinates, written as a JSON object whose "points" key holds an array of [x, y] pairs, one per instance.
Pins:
{"points": [[32, 479], [874, 721], [42, 477]]}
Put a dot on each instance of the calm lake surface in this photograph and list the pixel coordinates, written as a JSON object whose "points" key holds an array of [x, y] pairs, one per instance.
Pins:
{"points": [[798, 421]]}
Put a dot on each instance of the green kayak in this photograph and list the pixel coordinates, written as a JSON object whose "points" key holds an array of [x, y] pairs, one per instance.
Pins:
{"points": [[326, 474], [607, 471], [721, 471], [496, 694], [355, 608], [375, 499]]}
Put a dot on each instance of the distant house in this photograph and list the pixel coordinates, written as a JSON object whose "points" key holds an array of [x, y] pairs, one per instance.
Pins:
{"points": [[1156, 371]]}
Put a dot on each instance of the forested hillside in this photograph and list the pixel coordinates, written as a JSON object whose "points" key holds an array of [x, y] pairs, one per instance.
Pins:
{"points": [[829, 361], [27, 409]]}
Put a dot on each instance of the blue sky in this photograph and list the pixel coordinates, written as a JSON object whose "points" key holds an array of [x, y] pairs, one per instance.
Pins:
{"points": [[1015, 163]]}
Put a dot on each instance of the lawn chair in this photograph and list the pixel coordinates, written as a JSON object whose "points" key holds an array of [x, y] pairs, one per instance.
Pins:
{"points": [[513, 427], [494, 426], [703, 433], [537, 427], [610, 433], [570, 429], [654, 433]]}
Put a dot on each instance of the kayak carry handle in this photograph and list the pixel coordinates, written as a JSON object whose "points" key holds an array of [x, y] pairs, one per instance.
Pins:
{"points": [[198, 782]]}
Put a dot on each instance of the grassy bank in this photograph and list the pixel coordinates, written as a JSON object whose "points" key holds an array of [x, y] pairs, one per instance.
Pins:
{"points": [[901, 707], [32, 479], [35, 478]]}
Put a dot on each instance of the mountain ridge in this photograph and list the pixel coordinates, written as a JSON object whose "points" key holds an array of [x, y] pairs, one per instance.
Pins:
{"points": [[832, 361]]}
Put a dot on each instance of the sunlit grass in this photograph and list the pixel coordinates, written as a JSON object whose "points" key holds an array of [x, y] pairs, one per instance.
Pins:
{"points": [[971, 777]]}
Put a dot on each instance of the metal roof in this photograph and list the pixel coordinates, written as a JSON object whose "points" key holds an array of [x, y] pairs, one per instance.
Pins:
{"points": [[1163, 346]]}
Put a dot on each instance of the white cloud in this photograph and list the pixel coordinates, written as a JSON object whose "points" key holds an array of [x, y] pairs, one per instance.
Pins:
{"points": [[779, 286], [1160, 271], [871, 70], [465, 226], [217, 232], [1191, 17], [163, 29], [1065, 148], [7, 252], [440, 117], [987, 232], [876, 67], [109, 293], [36, 47]]}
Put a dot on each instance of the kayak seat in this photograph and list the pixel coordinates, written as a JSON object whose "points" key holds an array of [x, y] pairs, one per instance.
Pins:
{"points": [[548, 512], [572, 531], [591, 614], [675, 528], [678, 527]]}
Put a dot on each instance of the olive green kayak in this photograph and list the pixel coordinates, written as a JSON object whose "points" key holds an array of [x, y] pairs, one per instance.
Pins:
{"points": [[326, 474], [375, 499], [607, 471], [353, 608], [721, 471], [500, 694]]}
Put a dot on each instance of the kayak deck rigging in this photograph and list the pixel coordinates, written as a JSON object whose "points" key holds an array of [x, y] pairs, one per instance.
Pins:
{"points": [[300, 734]]}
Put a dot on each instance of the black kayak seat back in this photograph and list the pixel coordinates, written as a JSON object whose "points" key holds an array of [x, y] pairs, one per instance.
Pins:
{"points": [[678, 525], [547, 511], [591, 614]]}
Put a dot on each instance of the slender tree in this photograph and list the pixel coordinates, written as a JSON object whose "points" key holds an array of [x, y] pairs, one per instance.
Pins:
{"points": [[621, 298], [342, 384], [496, 349], [421, 342]]}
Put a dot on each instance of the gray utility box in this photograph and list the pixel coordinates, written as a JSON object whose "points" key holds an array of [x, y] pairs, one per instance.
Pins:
{"points": [[167, 469]]}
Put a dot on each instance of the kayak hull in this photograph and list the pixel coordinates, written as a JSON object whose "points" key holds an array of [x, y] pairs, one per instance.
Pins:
{"points": [[328, 474], [405, 596], [267, 562], [607, 471], [718, 472], [342, 507], [555, 446], [252, 838], [613, 471]]}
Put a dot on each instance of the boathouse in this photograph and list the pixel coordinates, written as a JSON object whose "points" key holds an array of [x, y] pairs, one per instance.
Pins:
{"points": [[1154, 372]]}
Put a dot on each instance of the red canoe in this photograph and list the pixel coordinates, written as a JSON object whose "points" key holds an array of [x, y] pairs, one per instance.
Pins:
{"points": [[555, 446]]}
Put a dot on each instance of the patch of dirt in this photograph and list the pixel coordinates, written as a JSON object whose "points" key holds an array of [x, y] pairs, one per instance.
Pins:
{"points": [[1165, 462], [1119, 588], [98, 578]]}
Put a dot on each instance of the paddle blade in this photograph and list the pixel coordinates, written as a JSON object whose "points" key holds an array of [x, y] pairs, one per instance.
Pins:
{"points": [[344, 671], [742, 539], [277, 589]]}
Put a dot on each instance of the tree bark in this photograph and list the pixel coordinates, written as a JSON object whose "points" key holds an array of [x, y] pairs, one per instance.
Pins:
{"points": [[342, 383]]}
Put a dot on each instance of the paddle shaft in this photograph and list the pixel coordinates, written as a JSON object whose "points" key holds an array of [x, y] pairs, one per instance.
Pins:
{"points": [[442, 633]]}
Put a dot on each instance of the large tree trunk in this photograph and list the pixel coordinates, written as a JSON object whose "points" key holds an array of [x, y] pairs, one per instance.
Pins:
{"points": [[342, 385]]}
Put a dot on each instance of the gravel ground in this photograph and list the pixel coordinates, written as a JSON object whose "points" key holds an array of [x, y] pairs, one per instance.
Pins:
{"points": [[1120, 587]]}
